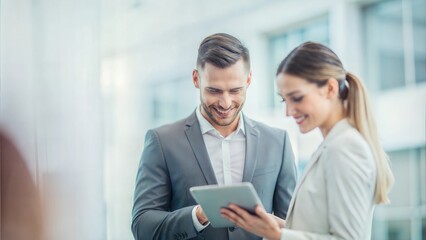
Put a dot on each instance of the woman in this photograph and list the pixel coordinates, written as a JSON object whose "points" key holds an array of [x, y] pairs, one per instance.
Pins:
{"points": [[348, 174]]}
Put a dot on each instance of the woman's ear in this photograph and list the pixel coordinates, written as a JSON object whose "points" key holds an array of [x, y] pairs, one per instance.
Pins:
{"points": [[332, 88]]}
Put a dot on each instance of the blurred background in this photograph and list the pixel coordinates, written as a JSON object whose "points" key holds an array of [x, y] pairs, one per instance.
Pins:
{"points": [[83, 80]]}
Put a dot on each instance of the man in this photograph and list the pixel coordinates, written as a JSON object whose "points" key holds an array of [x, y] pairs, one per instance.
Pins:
{"points": [[216, 144]]}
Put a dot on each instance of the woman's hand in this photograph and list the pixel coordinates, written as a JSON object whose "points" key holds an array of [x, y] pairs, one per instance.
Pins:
{"points": [[280, 221], [262, 224]]}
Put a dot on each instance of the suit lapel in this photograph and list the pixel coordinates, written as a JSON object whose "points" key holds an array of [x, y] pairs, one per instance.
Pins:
{"points": [[337, 129], [195, 138], [311, 163], [252, 138]]}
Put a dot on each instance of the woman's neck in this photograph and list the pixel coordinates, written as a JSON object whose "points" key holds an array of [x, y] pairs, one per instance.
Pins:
{"points": [[334, 117]]}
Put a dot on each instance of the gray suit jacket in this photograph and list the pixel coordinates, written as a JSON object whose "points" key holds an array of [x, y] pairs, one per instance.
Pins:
{"points": [[335, 196], [175, 158]]}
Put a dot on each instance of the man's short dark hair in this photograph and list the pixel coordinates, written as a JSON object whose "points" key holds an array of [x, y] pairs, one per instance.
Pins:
{"points": [[222, 50]]}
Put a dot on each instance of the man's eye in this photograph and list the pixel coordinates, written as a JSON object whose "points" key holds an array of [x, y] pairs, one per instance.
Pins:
{"points": [[212, 90], [235, 91]]}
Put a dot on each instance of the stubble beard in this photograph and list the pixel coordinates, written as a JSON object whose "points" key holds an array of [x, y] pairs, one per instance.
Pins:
{"points": [[213, 119]]}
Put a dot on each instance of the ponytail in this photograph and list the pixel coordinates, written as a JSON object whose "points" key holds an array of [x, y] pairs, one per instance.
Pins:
{"points": [[361, 117]]}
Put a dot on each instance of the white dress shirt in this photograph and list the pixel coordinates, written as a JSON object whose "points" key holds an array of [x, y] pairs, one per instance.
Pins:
{"points": [[227, 155]]}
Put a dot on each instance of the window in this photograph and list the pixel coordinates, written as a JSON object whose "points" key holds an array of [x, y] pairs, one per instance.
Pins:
{"points": [[316, 30], [395, 37], [424, 228], [419, 39], [172, 100], [399, 229], [405, 217]]}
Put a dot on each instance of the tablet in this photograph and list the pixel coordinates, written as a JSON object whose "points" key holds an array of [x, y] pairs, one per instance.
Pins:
{"points": [[213, 197]]}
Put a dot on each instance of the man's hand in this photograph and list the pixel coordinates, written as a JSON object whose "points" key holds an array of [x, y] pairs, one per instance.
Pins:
{"points": [[201, 216]]}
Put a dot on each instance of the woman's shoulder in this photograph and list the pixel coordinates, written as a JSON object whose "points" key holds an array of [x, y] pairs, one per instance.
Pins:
{"points": [[351, 137], [344, 136], [349, 146], [349, 158]]}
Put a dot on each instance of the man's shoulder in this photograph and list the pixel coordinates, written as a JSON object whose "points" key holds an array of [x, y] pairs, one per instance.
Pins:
{"points": [[174, 127]]}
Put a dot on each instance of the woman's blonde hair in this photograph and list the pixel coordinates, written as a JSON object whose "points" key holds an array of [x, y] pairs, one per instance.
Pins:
{"points": [[316, 64]]}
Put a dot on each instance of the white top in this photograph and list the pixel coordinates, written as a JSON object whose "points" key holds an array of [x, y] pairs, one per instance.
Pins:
{"points": [[227, 154]]}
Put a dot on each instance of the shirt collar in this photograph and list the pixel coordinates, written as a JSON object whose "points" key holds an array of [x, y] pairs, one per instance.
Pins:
{"points": [[206, 126]]}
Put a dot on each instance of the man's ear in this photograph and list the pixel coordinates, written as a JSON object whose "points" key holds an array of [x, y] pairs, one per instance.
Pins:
{"points": [[195, 78], [249, 79], [332, 88]]}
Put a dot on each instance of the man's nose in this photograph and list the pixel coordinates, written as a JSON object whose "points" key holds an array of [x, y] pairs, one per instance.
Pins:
{"points": [[225, 101]]}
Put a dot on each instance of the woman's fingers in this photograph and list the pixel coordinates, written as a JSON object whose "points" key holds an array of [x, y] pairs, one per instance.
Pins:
{"points": [[233, 217], [281, 222], [245, 219], [261, 223], [228, 214], [262, 213], [239, 211]]}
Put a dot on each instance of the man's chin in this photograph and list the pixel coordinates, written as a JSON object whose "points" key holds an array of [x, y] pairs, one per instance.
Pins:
{"points": [[224, 122]]}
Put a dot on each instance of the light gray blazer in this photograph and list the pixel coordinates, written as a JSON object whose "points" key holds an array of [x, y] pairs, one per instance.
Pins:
{"points": [[175, 158], [335, 196]]}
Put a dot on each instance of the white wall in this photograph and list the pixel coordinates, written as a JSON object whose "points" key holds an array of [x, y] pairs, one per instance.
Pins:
{"points": [[51, 105]]}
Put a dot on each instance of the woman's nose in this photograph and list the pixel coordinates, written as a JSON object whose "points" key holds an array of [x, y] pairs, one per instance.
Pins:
{"points": [[289, 110]]}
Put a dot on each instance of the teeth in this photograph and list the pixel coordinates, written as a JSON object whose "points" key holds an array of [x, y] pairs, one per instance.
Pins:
{"points": [[299, 119], [223, 112]]}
